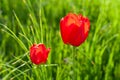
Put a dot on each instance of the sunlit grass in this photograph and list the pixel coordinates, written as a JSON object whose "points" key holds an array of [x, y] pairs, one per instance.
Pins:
{"points": [[24, 22]]}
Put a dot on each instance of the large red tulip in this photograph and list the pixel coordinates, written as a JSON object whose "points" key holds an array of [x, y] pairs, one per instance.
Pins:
{"points": [[74, 29], [39, 53]]}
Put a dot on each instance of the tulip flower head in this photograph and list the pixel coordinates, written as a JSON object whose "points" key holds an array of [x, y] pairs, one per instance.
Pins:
{"points": [[74, 29], [39, 53]]}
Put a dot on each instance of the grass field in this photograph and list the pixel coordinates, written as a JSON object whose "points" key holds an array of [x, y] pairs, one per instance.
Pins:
{"points": [[24, 22]]}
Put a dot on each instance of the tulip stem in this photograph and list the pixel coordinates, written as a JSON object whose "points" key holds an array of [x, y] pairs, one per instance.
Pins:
{"points": [[74, 63]]}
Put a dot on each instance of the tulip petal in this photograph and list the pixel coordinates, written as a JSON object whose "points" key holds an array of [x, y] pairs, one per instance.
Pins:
{"points": [[74, 29], [38, 53]]}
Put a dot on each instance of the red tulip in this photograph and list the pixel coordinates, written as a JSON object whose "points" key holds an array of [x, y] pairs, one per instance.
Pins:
{"points": [[38, 53], [74, 29]]}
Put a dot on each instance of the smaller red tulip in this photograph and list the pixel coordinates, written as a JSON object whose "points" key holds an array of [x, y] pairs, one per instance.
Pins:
{"points": [[74, 29], [39, 53]]}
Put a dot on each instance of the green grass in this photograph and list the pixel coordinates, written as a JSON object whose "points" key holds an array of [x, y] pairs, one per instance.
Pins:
{"points": [[24, 22]]}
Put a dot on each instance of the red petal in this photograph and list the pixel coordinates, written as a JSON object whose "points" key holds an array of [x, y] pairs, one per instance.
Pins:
{"points": [[74, 29], [75, 37], [38, 53]]}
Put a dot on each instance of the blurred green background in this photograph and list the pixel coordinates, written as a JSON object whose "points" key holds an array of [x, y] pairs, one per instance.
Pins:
{"points": [[24, 22]]}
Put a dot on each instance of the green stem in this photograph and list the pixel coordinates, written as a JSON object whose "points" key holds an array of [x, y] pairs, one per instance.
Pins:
{"points": [[74, 63]]}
